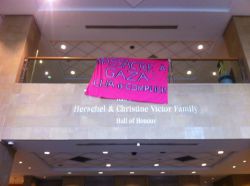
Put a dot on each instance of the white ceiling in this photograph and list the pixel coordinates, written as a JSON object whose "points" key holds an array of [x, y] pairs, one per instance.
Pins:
{"points": [[58, 163], [66, 20]]}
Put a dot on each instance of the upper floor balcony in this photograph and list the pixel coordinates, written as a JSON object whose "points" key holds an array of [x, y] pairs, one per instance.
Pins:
{"points": [[50, 97]]}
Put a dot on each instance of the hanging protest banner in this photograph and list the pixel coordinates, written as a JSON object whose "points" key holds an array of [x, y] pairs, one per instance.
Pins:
{"points": [[143, 80]]}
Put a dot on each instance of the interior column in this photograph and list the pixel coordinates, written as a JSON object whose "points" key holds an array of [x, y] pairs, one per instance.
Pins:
{"points": [[19, 38], [237, 38], [6, 160]]}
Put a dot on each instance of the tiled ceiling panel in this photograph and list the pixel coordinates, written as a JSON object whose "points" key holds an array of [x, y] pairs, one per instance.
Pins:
{"points": [[124, 160], [139, 49]]}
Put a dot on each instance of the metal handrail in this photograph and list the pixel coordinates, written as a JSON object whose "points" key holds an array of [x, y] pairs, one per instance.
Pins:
{"points": [[78, 58], [173, 59]]}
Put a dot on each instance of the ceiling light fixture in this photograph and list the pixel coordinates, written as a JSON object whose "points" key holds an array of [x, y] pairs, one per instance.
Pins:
{"points": [[244, 161], [138, 144], [214, 73], [10, 143], [220, 152], [63, 47], [29, 168], [20, 162], [193, 172], [49, 77], [46, 73], [200, 47], [69, 173], [100, 172], [131, 172], [41, 61], [203, 164], [108, 165], [162, 172], [234, 166], [189, 72], [156, 164], [105, 152], [46, 153], [72, 72]]}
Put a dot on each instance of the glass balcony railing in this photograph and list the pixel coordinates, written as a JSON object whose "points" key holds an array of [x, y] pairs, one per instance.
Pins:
{"points": [[79, 70]]}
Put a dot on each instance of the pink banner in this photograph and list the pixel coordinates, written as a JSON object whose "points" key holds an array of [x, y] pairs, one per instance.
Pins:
{"points": [[143, 80]]}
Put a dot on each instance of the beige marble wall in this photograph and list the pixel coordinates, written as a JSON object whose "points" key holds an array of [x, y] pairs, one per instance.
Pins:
{"points": [[46, 111], [237, 38], [19, 38]]}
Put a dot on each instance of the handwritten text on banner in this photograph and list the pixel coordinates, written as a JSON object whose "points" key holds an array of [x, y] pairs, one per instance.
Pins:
{"points": [[143, 80]]}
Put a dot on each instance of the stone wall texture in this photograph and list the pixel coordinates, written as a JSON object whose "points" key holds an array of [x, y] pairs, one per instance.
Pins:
{"points": [[46, 111]]}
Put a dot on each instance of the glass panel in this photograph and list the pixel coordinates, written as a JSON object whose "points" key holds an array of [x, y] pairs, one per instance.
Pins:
{"points": [[80, 71], [199, 71]]}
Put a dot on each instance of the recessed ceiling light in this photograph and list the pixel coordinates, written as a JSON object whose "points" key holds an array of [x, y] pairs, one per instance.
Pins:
{"points": [[72, 72], [244, 161], [131, 172], [46, 73], [63, 47], [49, 77], [41, 61], [214, 73], [108, 165], [203, 164], [220, 152], [69, 173], [46, 153], [234, 166], [20, 162], [162, 172], [200, 47], [193, 172], [29, 168], [189, 72], [105, 152], [10, 142], [156, 164], [100, 172], [138, 144]]}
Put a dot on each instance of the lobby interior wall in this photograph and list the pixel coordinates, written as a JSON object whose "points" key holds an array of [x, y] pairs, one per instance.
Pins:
{"points": [[237, 39], [19, 37], [195, 111], [54, 111]]}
